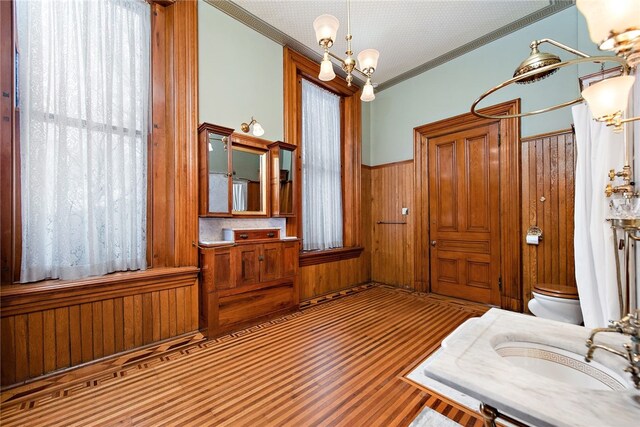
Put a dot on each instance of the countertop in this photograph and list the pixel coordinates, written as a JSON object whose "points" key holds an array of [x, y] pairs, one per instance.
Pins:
{"points": [[469, 363]]}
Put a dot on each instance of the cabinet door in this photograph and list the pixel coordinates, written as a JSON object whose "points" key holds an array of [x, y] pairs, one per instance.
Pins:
{"points": [[247, 264], [222, 277], [290, 252], [271, 262]]}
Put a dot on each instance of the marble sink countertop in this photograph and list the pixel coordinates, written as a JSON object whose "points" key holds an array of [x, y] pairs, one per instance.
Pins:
{"points": [[470, 364]]}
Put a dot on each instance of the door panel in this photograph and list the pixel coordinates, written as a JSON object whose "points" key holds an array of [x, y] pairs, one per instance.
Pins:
{"points": [[464, 214], [247, 264], [446, 185], [271, 261]]}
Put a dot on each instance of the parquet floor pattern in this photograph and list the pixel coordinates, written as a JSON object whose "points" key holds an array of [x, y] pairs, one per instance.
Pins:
{"points": [[339, 361]]}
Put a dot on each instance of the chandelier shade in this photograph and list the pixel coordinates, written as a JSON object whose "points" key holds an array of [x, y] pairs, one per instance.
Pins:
{"points": [[608, 97], [611, 19], [368, 59], [326, 28], [367, 92]]}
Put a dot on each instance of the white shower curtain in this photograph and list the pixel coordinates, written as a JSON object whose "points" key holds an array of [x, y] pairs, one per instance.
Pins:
{"points": [[599, 149]]}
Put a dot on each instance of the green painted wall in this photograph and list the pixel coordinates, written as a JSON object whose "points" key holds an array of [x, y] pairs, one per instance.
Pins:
{"points": [[240, 74], [450, 89]]}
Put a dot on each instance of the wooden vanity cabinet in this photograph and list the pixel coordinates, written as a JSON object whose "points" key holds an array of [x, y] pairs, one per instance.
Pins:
{"points": [[247, 283]]}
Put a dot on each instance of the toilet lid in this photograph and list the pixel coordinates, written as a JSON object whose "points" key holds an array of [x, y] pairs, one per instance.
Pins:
{"points": [[558, 291]]}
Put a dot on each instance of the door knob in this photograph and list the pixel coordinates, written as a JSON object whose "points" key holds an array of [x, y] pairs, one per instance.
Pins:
{"points": [[433, 243]]}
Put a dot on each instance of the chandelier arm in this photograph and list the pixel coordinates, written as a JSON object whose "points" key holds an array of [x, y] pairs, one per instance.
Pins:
{"points": [[561, 46], [630, 119], [337, 58], [594, 59]]}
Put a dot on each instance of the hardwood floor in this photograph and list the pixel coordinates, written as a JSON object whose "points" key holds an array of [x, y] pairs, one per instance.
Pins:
{"points": [[339, 362]]}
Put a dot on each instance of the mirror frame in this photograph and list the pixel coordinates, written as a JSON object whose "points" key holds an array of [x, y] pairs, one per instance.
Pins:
{"points": [[275, 149], [203, 168]]}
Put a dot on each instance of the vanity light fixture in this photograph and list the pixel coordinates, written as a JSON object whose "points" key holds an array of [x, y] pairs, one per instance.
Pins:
{"points": [[326, 28], [257, 127], [614, 25]]}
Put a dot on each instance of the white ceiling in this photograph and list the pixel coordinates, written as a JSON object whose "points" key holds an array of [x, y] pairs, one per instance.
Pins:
{"points": [[409, 34]]}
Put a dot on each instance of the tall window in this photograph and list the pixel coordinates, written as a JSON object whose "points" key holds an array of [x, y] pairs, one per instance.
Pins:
{"points": [[84, 70], [321, 169]]}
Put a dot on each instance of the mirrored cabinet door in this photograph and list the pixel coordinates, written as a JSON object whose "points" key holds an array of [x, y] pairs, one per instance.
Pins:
{"points": [[215, 170], [249, 179], [283, 181]]}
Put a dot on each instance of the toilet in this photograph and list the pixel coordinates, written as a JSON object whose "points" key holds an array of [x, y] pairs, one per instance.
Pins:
{"points": [[556, 302]]}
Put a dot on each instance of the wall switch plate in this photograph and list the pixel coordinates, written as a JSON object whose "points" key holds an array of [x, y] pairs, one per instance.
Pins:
{"points": [[405, 211]]}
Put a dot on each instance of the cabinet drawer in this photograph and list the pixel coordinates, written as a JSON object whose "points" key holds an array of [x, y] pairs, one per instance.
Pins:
{"points": [[251, 305], [258, 234]]}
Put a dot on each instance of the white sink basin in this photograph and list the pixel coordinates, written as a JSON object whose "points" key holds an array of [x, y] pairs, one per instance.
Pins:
{"points": [[561, 365]]}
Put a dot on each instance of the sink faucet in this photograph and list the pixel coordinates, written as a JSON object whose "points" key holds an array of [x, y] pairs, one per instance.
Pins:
{"points": [[628, 325]]}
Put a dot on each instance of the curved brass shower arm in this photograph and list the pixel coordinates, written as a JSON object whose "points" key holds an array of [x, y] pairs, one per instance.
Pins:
{"points": [[534, 44]]}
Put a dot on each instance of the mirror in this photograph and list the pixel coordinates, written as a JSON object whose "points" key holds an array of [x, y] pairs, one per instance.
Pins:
{"points": [[286, 181], [249, 180], [218, 146]]}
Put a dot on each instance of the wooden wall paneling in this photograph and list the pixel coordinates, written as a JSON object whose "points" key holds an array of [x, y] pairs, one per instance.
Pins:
{"points": [[9, 170], [184, 111], [8, 343], [98, 350], [75, 335], [108, 325], [548, 171], [366, 221], [510, 193], [21, 346], [392, 244]]}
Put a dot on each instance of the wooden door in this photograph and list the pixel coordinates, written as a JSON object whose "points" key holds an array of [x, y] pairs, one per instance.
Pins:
{"points": [[247, 264], [464, 214], [271, 261]]}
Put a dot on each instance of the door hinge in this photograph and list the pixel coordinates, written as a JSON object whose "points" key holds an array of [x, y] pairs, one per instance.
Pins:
{"points": [[500, 283]]}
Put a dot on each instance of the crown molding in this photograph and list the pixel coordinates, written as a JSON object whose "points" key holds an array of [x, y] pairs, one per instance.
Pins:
{"points": [[269, 31]]}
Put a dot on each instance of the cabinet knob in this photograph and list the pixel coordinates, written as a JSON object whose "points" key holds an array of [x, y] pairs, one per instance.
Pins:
{"points": [[260, 258], [244, 236], [271, 234], [433, 243]]}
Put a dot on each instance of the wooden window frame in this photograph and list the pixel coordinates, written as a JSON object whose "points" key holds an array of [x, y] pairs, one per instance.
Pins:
{"points": [[297, 67], [172, 144]]}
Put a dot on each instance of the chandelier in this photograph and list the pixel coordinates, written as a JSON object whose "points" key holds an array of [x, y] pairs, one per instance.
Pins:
{"points": [[326, 28], [614, 25]]}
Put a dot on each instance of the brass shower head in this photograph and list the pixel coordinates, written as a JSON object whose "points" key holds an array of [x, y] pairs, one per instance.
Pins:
{"points": [[535, 61]]}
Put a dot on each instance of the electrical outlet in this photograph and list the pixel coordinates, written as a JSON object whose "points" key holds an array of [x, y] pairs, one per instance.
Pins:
{"points": [[405, 211]]}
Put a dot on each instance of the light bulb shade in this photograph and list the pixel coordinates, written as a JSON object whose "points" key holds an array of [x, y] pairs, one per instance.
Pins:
{"points": [[257, 129], [367, 92], [607, 16], [368, 59], [326, 27], [608, 96], [326, 71]]}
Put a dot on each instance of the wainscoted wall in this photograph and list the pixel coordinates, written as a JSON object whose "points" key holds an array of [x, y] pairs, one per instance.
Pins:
{"points": [[46, 329], [392, 246], [328, 277], [52, 325], [548, 171]]}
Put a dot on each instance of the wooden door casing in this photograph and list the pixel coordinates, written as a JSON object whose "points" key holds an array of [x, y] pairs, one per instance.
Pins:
{"points": [[464, 214]]}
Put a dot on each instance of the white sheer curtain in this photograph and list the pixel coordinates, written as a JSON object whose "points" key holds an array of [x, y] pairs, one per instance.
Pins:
{"points": [[321, 181], [598, 150], [84, 109]]}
